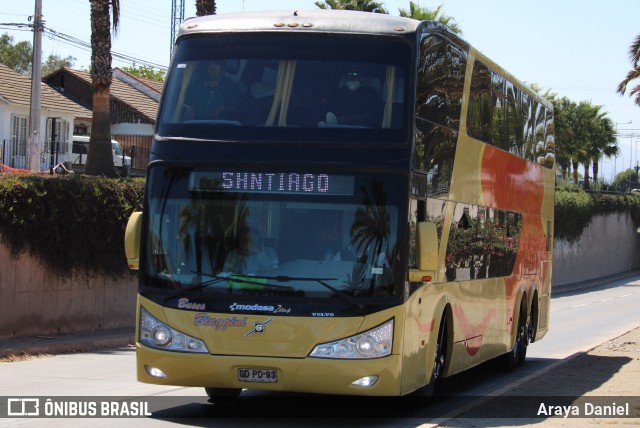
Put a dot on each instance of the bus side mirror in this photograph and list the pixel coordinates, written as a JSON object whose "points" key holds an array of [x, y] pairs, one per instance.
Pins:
{"points": [[132, 240], [426, 253]]}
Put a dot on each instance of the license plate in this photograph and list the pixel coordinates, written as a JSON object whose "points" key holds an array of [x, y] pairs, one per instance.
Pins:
{"points": [[258, 375]]}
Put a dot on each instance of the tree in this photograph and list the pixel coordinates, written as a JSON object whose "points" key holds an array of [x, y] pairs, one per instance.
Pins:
{"points": [[205, 7], [583, 128], [362, 5], [634, 73], [604, 142], [564, 115], [426, 14], [99, 156], [54, 62], [596, 136], [625, 179], [16, 56], [146, 72], [584, 134]]}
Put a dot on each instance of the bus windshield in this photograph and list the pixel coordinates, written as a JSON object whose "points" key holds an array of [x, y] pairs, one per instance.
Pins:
{"points": [[267, 87], [299, 234]]}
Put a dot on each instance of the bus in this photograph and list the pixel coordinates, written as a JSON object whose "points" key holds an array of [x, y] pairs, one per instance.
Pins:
{"points": [[343, 203]]}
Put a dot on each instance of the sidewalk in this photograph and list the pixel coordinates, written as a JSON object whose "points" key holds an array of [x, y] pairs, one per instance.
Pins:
{"points": [[607, 374], [23, 347]]}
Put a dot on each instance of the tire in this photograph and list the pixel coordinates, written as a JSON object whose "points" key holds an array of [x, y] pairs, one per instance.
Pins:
{"points": [[423, 395], [219, 395], [441, 352], [526, 339], [517, 355]]}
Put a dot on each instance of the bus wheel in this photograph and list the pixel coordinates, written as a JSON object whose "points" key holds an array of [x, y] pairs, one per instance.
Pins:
{"points": [[218, 395], [441, 352], [424, 394], [517, 355], [527, 336]]}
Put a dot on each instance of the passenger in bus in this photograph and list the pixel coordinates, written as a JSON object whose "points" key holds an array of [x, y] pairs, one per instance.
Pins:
{"points": [[217, 97], [249, 257], [355, 103]]}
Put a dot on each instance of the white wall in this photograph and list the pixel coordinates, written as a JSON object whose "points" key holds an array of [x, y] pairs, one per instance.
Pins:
{"points": [[6, 112], [132, 129], [609, 245]]}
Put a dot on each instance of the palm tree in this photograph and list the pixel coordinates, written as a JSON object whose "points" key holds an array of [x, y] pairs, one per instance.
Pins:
{"points": [[362, 5], [571, 121], [604, 142], [426, 14], [584, 134], [205, 7], [100, 157], [596, 135], [563, 117], [634, 73]]}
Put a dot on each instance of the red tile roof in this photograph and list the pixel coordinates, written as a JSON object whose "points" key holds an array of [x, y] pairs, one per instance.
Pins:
{"points": [[16, 89], [124, 93]]}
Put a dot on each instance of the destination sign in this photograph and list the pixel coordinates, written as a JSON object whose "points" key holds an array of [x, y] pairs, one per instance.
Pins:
{"points": [[273, 182]]}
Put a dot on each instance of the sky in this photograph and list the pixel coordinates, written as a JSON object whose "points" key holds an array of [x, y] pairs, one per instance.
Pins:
{"points": [[575, 48]]}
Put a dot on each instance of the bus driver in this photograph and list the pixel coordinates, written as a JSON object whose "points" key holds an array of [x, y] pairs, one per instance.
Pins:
{"points": [[218, 97]]}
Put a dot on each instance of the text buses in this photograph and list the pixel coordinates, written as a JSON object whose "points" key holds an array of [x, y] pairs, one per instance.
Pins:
{"points": [[340, 202]]}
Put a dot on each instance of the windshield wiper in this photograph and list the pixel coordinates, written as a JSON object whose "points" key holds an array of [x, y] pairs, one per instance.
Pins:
{"points": [[321, 281], [241, 279], [342, 294], [194, 287], [247, 280]]}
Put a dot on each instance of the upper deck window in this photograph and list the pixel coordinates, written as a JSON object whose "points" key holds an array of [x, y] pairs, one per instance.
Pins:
{"points": [[508, 117], [278, 87]]}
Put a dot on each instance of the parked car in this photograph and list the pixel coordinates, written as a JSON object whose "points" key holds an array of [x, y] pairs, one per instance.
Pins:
{"points": [[81, 147]]}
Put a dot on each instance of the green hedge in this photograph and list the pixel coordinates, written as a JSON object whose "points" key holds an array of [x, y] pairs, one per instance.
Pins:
{"points": [[575, 210], [74, 224]]}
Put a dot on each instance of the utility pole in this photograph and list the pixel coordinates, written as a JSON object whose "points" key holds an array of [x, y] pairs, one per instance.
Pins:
{"points": [[33, 138]]}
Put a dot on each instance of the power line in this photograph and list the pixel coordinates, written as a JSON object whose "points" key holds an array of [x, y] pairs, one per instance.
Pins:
{"points": [[86, 45], [81, 44]]}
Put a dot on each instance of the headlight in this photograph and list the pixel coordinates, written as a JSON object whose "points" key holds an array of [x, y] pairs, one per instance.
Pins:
{"points": [[158, 335], [374, 343]]}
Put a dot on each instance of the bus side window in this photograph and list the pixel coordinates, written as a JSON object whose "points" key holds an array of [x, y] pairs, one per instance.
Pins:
{"points": [[479, 114], [431, 97], [433, 154], [441, 74]]}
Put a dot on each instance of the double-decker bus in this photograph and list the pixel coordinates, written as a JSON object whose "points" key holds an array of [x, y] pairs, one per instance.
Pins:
{"points": [[343, 203]]}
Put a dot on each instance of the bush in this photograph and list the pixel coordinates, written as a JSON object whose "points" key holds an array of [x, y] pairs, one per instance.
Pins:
{"points": [[74, 224], [575, 210]]}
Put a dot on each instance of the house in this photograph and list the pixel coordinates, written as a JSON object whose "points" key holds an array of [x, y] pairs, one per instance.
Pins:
{"points": [[134, 104], [58, 114]]}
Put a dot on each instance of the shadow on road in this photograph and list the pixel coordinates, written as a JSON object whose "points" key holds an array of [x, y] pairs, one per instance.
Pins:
{"points": [[563, 385], [575, 385]]}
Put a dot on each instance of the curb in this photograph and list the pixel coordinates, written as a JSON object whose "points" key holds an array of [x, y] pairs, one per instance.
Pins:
{"points": [[60, 344], [582, 285]]}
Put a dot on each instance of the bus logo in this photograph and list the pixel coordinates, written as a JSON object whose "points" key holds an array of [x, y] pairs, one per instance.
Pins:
{"points": [[259, 327]]}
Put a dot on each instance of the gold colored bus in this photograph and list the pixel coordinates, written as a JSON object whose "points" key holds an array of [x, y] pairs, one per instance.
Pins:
{"points": [[343, 203]]}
